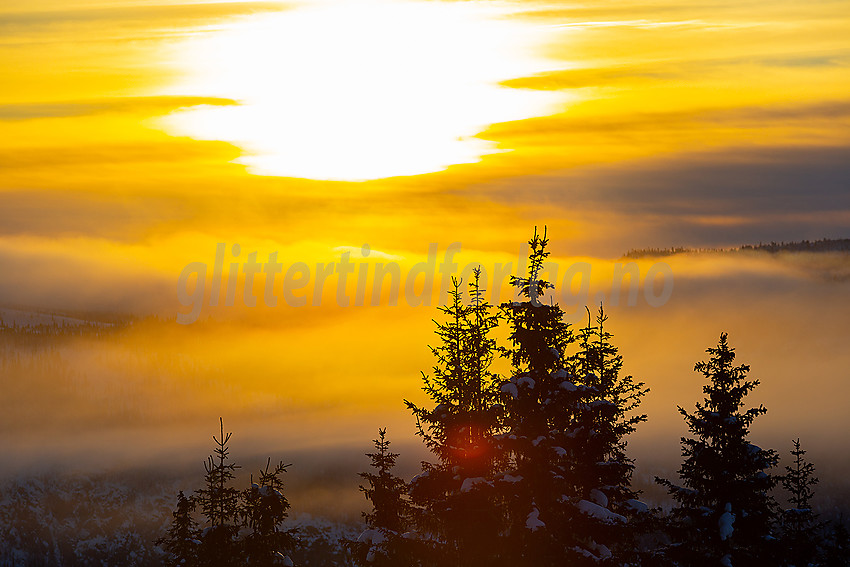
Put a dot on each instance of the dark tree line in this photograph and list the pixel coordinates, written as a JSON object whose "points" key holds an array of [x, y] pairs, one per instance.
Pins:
{"points": [[532, 469], [822, 245]]}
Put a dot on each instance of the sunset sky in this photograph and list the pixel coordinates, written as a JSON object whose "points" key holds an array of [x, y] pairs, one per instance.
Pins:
{"points": [[137, 133], [135, 136]]}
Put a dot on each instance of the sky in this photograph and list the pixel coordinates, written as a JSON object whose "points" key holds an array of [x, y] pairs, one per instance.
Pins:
{"points": [[135, 137], [135, 132]]}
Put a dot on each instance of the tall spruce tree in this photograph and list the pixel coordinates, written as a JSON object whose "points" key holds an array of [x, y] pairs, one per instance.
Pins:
{"points": [[724, 513], [383, 544], [455, 504], [800, 527], [557, 509], [219, 503], [598, 365], [601, 468]]}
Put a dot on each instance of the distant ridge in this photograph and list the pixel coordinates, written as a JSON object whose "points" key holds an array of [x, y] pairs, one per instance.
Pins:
{"points": [[823, 245]]}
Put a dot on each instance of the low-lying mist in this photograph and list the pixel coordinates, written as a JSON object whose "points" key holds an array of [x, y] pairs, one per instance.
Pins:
{"points": [[310, 386]]}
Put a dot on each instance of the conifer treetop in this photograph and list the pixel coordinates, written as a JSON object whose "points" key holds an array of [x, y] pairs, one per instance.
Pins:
{"points": [[532, 287]]}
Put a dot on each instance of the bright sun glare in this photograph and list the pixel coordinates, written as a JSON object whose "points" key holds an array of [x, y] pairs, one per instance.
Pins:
{"points": [[363, 89]]}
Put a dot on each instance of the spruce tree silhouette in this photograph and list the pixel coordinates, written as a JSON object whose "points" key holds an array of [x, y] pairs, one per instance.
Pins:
{"points": [[454, 498], [264, 509], [181, 540], [569, 470], [539, 416], [801, 529], [602, 470], [219, 503], [383, 544], [724, 512], [597, 365]]}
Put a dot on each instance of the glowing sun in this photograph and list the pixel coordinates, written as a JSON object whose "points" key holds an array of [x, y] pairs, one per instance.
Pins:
{"points": [[362, 89]]}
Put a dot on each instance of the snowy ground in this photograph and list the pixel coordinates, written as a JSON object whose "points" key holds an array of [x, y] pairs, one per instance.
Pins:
{"points": [[110, 519]]}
